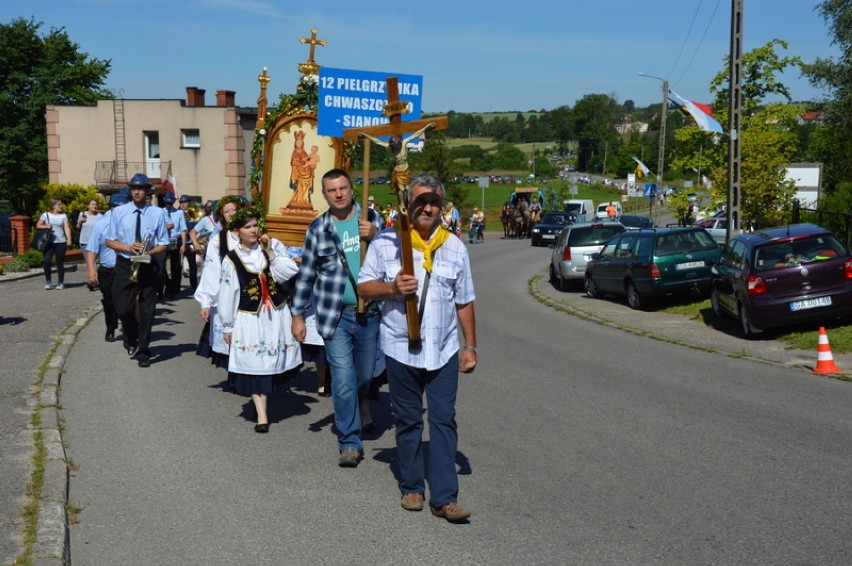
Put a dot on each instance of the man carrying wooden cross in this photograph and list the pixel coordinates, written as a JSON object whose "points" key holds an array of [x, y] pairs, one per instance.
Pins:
{"points": [[442, 280]]}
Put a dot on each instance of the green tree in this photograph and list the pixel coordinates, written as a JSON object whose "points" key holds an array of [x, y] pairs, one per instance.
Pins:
{"points": [[767, 139], [35, 71], [561, 125], [759, 70], [595, 117], [831, 144]]}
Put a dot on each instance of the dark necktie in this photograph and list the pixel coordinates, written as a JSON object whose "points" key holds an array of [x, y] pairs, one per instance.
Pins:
{"points": [[138, 225]]}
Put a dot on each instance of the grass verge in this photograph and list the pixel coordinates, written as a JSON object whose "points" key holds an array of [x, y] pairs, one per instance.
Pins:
{"points": [[799, 337]]}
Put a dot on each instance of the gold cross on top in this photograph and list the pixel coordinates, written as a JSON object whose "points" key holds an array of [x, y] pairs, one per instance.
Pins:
{"points": [[313, 41]]}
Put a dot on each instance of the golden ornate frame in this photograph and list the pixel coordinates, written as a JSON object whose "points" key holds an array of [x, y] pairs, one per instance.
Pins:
{"points": [[288, 214]]}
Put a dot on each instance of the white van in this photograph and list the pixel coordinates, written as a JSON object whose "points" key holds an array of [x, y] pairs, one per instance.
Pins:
{"points": [[601, 212], [583, 208]]}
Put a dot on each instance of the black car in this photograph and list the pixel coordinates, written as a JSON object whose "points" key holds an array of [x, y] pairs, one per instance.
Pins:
{"points": [[780, 276], [547, 230]]}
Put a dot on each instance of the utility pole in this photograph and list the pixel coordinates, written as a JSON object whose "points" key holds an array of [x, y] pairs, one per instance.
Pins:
{"points": [[735, 120], [661, 156]]}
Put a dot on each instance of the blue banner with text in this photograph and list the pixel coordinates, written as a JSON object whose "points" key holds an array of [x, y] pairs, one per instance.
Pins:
{"points": [[356, 99]]}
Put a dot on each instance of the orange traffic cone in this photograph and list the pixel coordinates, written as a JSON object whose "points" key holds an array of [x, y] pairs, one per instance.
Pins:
{"points": [[825, 361]]}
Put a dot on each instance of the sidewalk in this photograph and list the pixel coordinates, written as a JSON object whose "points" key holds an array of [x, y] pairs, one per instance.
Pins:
{"points": [[678, 329]]}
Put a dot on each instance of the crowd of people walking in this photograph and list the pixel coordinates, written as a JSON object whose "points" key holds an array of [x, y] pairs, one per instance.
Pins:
{"points": [[267, 308]]}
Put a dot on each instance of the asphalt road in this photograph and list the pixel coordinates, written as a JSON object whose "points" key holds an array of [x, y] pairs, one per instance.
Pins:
{"points": [[579, 443]]}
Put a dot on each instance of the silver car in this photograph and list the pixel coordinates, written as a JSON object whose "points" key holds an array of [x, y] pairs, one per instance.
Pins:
{"points": [[574, 248]]}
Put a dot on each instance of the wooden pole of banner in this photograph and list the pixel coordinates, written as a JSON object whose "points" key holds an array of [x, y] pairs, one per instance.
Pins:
{"points": [[365, 212], [394, 109]]}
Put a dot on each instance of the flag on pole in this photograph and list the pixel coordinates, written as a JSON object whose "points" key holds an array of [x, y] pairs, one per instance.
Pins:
{"points": [[171, 184], [641, 168], [701, 113]]}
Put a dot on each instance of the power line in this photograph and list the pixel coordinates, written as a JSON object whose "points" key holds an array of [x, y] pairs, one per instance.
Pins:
{"points": [[697, 47]]}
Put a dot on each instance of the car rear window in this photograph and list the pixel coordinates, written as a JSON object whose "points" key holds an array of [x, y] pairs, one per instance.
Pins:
{"points": [[683, 242], [594, 235], [797, 252], [551, 218], [635, 221]]}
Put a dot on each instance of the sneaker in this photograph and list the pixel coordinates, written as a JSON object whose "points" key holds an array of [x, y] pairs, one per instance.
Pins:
{"points": [[60, 287], [48, 286], [412, 502], [348, 458], [452, 512]]}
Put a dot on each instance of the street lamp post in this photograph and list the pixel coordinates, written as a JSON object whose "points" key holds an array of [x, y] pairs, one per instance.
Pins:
{"points": [[661, 157]]}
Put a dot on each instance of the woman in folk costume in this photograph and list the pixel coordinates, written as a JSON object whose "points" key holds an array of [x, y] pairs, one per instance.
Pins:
{"points": [[254, 312], [211, 344]]}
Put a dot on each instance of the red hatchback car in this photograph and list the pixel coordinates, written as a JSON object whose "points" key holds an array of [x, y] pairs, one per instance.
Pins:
{"points": [[781, 276]]}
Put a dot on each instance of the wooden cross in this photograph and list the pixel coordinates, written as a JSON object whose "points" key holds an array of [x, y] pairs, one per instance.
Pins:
{"points": [[394, 109], [313, 41]]}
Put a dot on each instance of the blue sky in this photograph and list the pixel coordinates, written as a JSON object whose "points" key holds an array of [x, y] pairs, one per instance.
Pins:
{"points": [[474, 55]]}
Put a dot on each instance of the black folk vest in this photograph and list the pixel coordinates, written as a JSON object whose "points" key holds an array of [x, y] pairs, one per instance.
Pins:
{"points": [[251, 298]]}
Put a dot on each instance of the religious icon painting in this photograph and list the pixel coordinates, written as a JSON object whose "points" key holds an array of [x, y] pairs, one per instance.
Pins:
{"points": [[295, 159]]}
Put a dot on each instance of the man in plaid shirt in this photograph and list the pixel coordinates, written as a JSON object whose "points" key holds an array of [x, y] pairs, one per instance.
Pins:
{"points": [[331, 262]]}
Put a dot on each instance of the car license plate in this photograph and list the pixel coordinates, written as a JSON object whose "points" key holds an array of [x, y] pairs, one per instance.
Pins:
{"points": [[548, 237], [810, 303], [688, 265]]}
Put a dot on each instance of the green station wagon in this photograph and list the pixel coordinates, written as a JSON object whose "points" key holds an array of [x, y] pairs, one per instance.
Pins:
{"points": [[641, 264]]}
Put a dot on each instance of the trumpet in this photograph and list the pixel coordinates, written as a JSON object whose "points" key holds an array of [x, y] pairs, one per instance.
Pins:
{"points": [[138, 260]]}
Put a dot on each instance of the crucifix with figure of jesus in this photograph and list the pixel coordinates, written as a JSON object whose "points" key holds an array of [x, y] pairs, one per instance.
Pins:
{"points": [[401, 133]]}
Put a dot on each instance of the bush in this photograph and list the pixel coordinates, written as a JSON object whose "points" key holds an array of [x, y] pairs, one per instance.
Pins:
{"points": [[17, 265], [31, 258]]}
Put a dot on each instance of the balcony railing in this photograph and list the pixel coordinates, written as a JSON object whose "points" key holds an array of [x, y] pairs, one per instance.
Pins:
{"points": [[116, 173]]}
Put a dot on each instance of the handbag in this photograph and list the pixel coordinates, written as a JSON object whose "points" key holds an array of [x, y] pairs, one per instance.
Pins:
{"points": [[42, 238]]}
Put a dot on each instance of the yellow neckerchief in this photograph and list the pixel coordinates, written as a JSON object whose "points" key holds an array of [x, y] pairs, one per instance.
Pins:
{"points": [[439, 236]]}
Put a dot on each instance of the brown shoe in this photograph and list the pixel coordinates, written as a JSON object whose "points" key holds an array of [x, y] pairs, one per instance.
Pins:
{"points": [[452, 512], [412, 502]]}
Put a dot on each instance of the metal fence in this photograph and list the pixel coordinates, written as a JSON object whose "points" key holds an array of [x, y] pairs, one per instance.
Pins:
{"points": [[8, 238], [119, 172], [840, 223]]}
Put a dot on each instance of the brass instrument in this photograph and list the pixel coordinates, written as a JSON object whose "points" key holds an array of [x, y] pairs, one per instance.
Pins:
{"points": [[192, 212], [138, 260]]}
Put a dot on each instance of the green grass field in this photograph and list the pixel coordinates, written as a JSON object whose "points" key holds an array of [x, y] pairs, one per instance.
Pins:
{"points": [[497, 193]]}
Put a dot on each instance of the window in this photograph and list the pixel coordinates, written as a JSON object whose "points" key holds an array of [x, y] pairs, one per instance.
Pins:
{"points": [[190, 138]]}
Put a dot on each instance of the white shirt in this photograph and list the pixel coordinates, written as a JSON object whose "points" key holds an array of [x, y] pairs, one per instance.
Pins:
{"points": [[451, 284], [207, 292]]}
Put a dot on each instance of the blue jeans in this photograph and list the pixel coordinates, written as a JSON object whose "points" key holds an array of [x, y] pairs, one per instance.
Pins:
{"points": [[407, 385], [351, 353]]}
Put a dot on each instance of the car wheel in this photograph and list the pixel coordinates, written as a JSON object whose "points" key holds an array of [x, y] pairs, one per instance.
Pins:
{"points": [[634, 300], [553, 277], [749, 330], [563, 284], [714, 302], [591, 288]]}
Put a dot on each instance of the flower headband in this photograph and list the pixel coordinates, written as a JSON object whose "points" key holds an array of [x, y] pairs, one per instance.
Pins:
{"points": [[242, 215], [240, 201]]}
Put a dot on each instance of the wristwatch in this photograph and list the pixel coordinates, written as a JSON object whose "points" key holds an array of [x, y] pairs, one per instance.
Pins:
{"points": [[470, 348]]}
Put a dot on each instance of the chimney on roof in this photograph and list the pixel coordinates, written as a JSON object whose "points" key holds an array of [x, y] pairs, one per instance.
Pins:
{"points": [[225, 98], [194, 96]]}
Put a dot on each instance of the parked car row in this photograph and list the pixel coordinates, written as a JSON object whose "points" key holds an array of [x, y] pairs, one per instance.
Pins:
{"points": [[781, 276]]}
